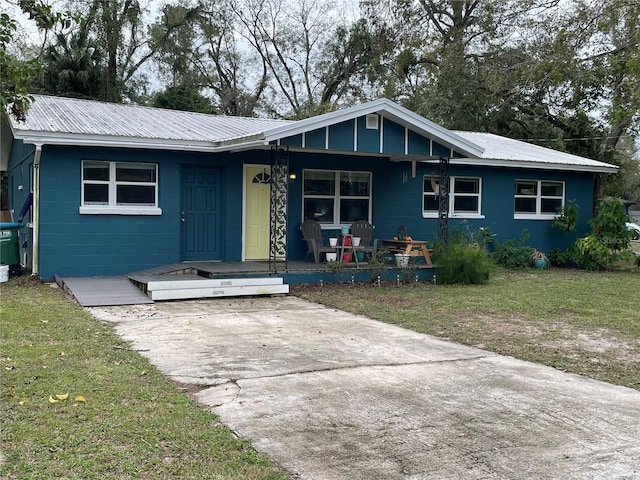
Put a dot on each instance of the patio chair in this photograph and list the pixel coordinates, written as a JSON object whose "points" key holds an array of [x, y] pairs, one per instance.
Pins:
{"points": [[364, 230], [312, 234]]}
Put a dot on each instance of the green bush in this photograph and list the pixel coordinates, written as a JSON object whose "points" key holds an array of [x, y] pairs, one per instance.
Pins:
{"points": [[461, 263], [608, 241], [513, 254]]}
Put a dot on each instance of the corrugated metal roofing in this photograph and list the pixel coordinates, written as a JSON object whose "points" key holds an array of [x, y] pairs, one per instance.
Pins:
{"points": [[57, 115], [88, 122], [508, 149]]}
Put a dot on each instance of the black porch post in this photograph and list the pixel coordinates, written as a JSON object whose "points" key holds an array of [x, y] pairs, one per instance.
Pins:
{"points": [[278, 207], [443, 205]]}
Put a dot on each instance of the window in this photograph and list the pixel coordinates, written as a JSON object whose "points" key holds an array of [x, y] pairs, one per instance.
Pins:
{"points": [[119, 188], [537, 199], [465, 197], [336, 197]]}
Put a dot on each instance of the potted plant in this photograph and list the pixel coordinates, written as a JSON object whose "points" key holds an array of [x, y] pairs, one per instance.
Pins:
{"points": [[539, 260]]}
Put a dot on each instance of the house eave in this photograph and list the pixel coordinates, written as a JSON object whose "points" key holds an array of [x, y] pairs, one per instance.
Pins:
{"points": [[136, 143], [484, 162]]}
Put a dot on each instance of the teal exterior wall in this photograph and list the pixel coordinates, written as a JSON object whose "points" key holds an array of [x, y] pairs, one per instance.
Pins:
{"points": [[72, 244], [397, 202]]}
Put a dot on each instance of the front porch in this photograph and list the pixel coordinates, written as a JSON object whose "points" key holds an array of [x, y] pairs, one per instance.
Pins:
{"points": [[185, 280]]}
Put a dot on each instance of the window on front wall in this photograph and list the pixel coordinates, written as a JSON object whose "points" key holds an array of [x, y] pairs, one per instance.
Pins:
{"points": [[465, 196], [538, 199], [119, 187], [336, 197]]}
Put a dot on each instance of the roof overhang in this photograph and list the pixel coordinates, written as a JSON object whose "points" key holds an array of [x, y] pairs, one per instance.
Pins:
{"points": [[46, 138], [485, 162]]}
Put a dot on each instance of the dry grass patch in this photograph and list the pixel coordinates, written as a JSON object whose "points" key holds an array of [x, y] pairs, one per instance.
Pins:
{"points": [[582, 322]]}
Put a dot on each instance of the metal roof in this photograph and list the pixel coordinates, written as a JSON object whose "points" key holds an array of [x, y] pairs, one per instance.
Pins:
{"points": [[503, 151], [72, 121], [69, 121]]}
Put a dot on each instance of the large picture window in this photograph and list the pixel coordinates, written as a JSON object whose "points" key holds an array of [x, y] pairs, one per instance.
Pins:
{"points": [[538, 199], [119, 187], [465, 197], [336, 197]]}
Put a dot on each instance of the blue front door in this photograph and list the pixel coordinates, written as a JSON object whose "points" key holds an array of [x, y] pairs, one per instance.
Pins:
{"points": [[201, 214]]}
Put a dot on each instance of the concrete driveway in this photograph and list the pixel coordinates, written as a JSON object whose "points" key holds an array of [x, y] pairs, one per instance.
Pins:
{"points": [[330, 395]]}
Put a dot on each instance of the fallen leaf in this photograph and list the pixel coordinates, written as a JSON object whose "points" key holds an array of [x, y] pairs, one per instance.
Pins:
{"points": [[80, 398], [23, 401], [144, 372], [45, 321], [64, 396], [52, 400]]}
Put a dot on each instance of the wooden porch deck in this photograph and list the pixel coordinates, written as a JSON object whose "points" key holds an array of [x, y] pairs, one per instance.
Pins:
{"points": [[179, 281]]}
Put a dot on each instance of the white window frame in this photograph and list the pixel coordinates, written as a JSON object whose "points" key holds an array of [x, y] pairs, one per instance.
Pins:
{"points": [[111, 207], [538, 214], [452, 195], [337, 197]]}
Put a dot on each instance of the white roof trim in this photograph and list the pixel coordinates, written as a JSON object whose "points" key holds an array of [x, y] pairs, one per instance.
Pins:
{"points": [[487, 162], [387, 109], [128, 142]]}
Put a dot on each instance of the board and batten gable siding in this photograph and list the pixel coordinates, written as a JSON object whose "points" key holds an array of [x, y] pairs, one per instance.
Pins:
{"points": [[74, 244], [353, 136]]}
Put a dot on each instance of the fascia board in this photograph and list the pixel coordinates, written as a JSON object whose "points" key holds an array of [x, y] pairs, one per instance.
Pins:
{"points": [[125, 142], [529, 165]]}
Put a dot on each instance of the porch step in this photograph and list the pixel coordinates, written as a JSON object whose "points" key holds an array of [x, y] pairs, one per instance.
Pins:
{"points": [[181, 289]]}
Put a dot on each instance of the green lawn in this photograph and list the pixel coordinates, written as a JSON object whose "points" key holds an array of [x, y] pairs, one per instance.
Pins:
{"points": [[583, 322], [121, 419]]}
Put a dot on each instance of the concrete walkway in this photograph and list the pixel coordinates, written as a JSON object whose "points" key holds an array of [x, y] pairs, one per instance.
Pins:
{"points": [[330, 395]]}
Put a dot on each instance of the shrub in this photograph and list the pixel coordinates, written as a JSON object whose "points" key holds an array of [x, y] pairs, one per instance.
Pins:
{"points": [[459, 262], [513, 254], [608, 241], [566, 218]]}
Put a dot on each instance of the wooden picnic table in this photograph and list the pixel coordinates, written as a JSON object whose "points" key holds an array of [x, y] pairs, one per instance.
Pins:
{"points": [[415, 248]]}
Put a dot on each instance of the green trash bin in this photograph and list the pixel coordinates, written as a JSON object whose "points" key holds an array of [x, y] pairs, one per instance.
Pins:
{"points": [[9, 244]]}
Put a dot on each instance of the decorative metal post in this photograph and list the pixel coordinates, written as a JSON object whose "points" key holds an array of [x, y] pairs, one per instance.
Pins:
{"points": [[278, 207], [443, 206]]}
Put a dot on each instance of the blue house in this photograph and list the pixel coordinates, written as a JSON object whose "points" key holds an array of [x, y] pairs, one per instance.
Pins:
{"points": [[120, 188]]}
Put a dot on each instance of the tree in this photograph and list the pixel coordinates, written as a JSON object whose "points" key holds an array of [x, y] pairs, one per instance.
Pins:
{"points": [[72, 66], [197, 49], [16, 74], [314, 59], [183, 97]]}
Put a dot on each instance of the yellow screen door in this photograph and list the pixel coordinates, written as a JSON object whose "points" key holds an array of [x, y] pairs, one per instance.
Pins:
{"points": [[257, 201]]}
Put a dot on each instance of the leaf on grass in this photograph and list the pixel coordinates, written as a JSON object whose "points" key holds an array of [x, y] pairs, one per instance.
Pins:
{"points": [[80, 398], [23, 401], [52, 400], [64, 396], [144, 372], [44, 321]]}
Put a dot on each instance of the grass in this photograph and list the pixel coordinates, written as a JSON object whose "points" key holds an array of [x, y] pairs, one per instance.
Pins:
{"points": [[582, 322], [122, 419]]}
